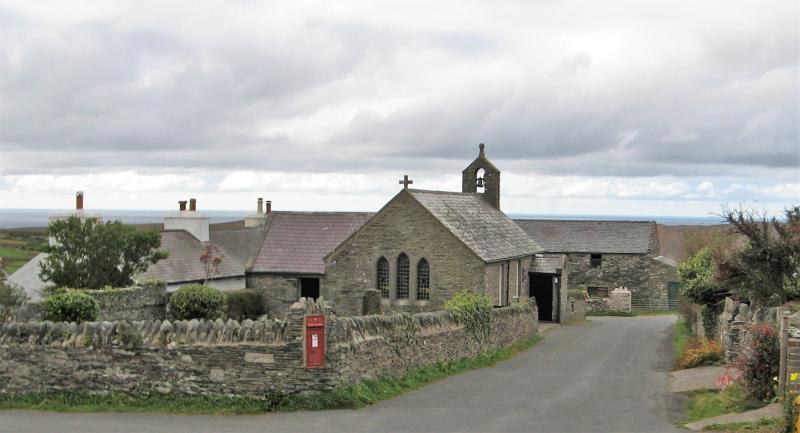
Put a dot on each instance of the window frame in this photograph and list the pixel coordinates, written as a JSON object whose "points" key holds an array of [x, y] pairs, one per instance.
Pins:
{"points": [[382, 277], [423, 281], [595, 260], [403, 274]]}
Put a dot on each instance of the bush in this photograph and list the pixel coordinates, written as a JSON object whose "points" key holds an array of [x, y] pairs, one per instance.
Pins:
{"points": [[244, 304], [576, 293], [759, 362], [197, 301], [70, 306], [12, 295], [701, 352], [472, 310]]}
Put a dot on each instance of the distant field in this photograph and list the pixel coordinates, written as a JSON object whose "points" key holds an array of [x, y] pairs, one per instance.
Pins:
{"points": [[18, 246]]}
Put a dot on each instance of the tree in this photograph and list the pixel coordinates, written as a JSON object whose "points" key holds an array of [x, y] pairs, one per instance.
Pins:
{"points": [[767, 269], [211, 260], [90, 254], [701, 287]]}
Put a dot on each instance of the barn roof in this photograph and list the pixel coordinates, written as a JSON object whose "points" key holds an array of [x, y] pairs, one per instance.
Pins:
{"points": [[485, 230], [297, 242], [621, 237]]}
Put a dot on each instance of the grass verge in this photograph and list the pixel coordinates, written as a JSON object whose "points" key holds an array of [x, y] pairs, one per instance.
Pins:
{"points": [[349, 397], [681, 335], [708, 404], [764, 425]]}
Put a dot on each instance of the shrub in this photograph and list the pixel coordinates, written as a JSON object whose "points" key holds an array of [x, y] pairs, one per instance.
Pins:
{"points": [[244, 304], [701, 352], [576, 293], [473, 311], [759, 362], [70, 306], [12, 295], [197, 301]]}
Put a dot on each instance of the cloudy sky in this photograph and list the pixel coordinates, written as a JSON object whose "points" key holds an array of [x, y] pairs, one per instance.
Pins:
{"points": [[613, 107]]}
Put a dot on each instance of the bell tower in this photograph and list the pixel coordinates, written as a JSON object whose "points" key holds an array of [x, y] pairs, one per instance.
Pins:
{"points": [[482, 177]]}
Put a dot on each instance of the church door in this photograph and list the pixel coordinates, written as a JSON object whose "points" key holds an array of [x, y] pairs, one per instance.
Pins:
{"points": [[541, 288]]}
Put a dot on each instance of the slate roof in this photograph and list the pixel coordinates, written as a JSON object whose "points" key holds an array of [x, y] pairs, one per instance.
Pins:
{"points": [[297, 242], [620, 237], [183, 263], [27, 277], [485, 230]]}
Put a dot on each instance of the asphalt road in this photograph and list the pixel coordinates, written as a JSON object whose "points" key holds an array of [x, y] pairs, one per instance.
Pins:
{"points": [[604, 375]]}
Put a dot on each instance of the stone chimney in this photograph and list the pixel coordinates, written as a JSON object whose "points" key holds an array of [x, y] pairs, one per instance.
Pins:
{"points": [[193, 222], [259, 218], [269, 207], [78, 212]]}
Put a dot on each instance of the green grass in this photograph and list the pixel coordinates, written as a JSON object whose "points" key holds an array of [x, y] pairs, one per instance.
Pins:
{"points": [[762, 425], [349, 397], [14, 258], [708, 404], [681, 335]]}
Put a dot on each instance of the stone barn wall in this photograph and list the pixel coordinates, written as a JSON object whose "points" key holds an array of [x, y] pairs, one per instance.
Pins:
{"points": [[278, 291], [231, 358], [644, 276]]}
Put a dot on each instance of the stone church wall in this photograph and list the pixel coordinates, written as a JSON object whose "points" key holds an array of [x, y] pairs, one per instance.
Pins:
{"points": [[233, 358], [645, 277], [404, 226]]}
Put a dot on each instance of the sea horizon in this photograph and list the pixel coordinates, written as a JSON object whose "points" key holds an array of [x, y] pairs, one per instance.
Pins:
{"points": [[32, 218]]}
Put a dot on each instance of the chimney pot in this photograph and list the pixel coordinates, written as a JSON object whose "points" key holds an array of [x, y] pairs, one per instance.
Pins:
{"points": [[269, 206], [192, 205], [260, 208], [182, 205], [79, 200]]}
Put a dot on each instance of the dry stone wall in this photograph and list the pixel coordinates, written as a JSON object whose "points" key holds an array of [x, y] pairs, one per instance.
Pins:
{"points": [[237, 358]]}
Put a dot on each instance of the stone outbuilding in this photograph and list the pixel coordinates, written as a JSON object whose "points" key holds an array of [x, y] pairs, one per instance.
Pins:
{"points": [[289, 263], [603, 255]]}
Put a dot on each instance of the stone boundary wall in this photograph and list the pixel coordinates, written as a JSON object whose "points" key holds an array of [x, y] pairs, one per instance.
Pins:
{"points": [[232, 358], [145, 302], [373, 346], [732, 324]]}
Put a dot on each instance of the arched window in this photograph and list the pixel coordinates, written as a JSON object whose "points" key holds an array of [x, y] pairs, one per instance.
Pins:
{"points": [[382, 276], [423, 280], [402, 276]]}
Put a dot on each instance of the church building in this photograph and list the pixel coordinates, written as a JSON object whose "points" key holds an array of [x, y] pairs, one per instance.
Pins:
{"points": [[424, 246]]}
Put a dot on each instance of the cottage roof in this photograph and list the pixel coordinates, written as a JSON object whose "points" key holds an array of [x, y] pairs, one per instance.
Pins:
{"points": [[485, 230], [621, 237], [297, 242], [27, 277]]}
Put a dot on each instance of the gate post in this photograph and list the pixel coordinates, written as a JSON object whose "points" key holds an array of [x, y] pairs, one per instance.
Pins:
{"points": [[784, 316]]}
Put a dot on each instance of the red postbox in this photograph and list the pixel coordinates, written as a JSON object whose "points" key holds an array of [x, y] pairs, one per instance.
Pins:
{"points": [[315, 341]]}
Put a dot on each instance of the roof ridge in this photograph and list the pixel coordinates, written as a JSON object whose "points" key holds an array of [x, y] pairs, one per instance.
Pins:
{"points": [[584, 221], [433, 191]]}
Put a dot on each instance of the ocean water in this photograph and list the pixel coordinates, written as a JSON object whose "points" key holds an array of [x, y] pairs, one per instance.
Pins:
{"points": [[14, 218]]}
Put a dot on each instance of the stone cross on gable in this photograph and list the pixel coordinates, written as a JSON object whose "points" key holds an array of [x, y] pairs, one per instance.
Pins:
{"points": [[406, 181]]}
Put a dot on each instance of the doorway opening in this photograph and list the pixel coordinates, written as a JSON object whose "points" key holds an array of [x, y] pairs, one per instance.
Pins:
{"points": [[309, 288], [541, 288]]}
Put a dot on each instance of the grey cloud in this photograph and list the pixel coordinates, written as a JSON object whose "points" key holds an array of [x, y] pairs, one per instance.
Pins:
{"points": [[79, 97]]}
